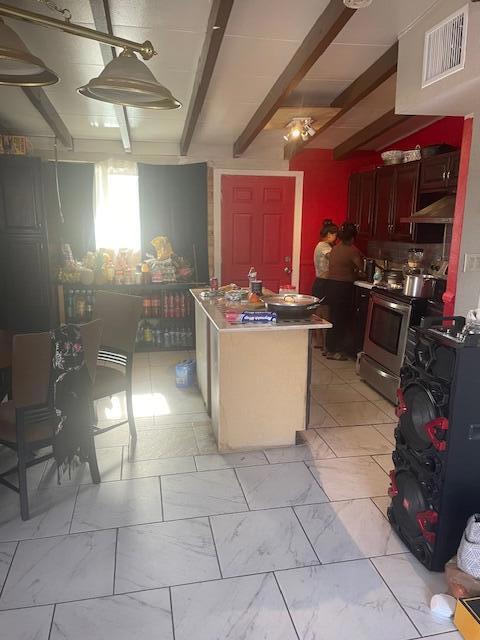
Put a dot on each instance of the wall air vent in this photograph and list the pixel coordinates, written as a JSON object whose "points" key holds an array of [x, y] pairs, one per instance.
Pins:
{"points": [[445, 47]]}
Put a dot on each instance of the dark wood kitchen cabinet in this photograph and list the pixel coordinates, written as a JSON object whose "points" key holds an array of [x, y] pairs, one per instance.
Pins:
{"points": [[25, 282], [440, 173], [26, 290], [404, 201], [395, 198], [21, 202], [361, 195], [383, 202]]}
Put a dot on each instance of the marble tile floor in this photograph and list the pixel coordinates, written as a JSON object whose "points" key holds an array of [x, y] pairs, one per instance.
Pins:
{"points": [[180, 541]]}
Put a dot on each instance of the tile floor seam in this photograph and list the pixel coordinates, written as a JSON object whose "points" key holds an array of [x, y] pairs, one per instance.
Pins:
{"points": [[286, 605], [9, 567], [376, 461], [215, 546], [305, 533], [241, 488], [73, 514], [121, 462], [161, 497], [396, 599], [115, 561], [184, 584], [51, 622], [315, 478], [171, 612]]}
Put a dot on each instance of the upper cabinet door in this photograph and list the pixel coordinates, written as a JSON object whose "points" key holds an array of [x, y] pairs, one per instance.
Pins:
{"points": [[404, 200], [385, 177], [21, 202], [366, 203], [353, 214], [26, 303], [453, 169]]}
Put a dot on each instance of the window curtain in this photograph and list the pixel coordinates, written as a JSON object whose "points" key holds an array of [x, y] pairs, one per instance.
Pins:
{"points": [[173, 203], [117, 223], [76, 186]]}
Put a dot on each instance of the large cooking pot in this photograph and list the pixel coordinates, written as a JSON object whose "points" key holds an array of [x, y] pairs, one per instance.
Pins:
{"points": [[293, 305], [418, 285]]}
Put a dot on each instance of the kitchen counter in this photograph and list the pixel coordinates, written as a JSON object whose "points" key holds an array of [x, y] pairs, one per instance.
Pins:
{"points": [[254, 379], [364, 284], [214, 308]]}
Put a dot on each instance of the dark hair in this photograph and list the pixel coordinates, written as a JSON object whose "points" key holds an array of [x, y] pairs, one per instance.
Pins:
{"points": [[328, 226], [347, 232]]}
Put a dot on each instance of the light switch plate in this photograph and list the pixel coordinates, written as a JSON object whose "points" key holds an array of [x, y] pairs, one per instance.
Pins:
{"points": [[472, 262]]}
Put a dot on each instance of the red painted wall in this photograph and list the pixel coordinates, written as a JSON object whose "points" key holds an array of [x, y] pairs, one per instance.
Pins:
{"points": [[454, 259], [325, 195], [325, 185]]}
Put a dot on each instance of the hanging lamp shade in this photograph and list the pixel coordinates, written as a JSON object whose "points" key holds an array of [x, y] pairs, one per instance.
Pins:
{"points": [[128, 81], [18, 67]]}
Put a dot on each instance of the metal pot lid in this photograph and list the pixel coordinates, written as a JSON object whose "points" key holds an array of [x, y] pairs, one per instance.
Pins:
{"points": [[292, 300]]}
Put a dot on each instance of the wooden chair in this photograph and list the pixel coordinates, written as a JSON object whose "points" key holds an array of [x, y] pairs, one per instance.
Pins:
{"points": [[28, 420], [120, 314]]}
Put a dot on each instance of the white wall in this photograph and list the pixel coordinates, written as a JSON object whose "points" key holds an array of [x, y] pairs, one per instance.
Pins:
{"points": [[452, 95], [260, 155]]}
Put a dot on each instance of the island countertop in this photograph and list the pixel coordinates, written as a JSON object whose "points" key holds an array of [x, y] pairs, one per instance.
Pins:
{"points": [[214, 308]]}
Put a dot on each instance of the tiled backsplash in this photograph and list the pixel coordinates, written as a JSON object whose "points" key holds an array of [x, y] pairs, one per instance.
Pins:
{"points": [[397, 252]]}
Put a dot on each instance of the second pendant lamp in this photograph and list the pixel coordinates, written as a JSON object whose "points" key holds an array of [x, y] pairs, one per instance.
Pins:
{"points": [[128, 81]]}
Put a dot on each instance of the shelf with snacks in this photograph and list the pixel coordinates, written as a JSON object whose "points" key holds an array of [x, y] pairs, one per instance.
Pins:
{"points": [[168, 319]]}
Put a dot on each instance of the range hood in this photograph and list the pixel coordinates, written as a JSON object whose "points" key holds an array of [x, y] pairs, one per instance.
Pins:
{"points": [[439, 212]]}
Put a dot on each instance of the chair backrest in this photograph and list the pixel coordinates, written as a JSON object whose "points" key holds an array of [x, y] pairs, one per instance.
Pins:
{"points": [[91, 333], [31, 365], [120, 314]]}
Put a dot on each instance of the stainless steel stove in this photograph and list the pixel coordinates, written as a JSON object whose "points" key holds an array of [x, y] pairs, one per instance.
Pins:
{"points": [[390, 314]]}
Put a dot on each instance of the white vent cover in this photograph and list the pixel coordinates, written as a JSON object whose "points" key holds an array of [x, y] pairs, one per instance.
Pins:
{"points": [[445, 47]]}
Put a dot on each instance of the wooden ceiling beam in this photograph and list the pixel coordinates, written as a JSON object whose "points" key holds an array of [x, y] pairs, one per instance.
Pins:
{"points": [[45, 108], [320, 36], [103, 22], [386, 122], [217, 23], [366, 83]]}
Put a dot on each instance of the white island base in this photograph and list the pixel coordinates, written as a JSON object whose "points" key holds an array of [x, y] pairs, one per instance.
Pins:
{"points": [[254, 379]]}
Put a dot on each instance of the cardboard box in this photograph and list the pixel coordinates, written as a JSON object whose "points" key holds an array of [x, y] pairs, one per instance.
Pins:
{"points": [[467, 618]]}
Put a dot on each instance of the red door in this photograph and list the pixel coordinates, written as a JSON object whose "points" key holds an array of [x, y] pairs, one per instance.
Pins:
{"points": [[257, 228]]}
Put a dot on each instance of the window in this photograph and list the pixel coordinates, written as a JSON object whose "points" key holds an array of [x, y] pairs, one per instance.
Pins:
{"points": [[117, 215]]}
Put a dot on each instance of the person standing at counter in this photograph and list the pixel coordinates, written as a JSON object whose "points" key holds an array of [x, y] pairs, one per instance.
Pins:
{"points": [[328, 237], [345, 266]]}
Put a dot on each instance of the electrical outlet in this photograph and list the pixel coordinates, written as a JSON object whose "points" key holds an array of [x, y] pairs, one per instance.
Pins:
{"points": [[472, 262]]}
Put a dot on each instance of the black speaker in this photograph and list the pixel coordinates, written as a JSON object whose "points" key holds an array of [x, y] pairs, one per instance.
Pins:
{"points": [[435, 485]]}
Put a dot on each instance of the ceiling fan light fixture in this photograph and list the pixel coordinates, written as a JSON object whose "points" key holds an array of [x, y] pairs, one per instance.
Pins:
{"points": [[357, 4], [128, 81], [19, 67]]}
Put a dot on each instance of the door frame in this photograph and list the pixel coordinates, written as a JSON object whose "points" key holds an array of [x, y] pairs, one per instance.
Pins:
{"points": [[297, 214]]}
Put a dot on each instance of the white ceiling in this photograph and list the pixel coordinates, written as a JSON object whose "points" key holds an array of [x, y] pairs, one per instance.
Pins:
{"points": [[261, 37]]}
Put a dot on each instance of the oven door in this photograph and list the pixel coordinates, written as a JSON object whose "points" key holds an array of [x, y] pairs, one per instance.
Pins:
{"points": [[386, 331]]}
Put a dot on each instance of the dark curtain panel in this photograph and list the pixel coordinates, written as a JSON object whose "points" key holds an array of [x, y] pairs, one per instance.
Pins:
{"points": [[173, 203], [77, 184]]}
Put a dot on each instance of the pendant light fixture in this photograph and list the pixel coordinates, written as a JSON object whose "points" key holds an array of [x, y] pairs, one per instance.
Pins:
{"points": [[17, 65], [128, 81]]}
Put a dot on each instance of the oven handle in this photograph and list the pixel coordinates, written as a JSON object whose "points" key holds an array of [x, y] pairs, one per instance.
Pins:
{"points": [[385, 302]]}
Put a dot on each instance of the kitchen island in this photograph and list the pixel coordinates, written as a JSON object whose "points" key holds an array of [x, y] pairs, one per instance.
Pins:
{"points": [[254, 378]]}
